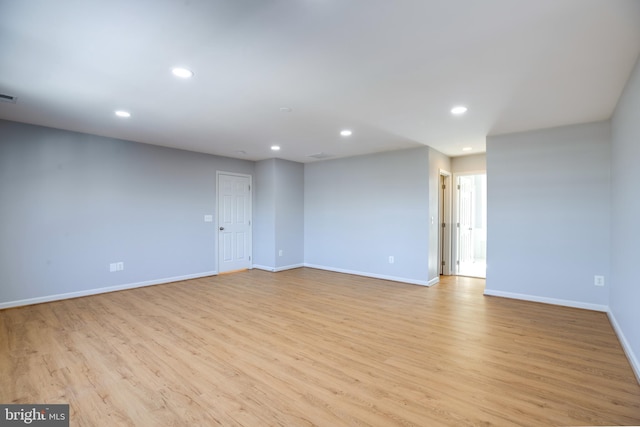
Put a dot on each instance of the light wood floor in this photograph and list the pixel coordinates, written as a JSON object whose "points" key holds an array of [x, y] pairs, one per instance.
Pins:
{"points": [[309, 347]]}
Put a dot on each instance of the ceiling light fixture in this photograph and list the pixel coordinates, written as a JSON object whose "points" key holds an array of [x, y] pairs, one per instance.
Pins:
{"points": [[467, 148], [122, 113], [183, 73], [275, 147], [458, 110], [285, 109], [345, 132]]}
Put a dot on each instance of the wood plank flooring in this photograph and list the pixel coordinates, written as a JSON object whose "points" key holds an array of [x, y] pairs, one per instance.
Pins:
{"points": [[310, 347]]}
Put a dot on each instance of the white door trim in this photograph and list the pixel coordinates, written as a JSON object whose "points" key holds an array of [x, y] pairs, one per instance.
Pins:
{"points": [[217, 240], [444, 248]]}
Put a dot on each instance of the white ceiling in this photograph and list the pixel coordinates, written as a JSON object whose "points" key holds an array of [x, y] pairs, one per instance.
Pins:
{"points": [[390, 70]]}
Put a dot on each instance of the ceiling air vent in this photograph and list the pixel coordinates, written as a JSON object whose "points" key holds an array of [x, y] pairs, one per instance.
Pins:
{"points": [[321, 155], [8, 98]]}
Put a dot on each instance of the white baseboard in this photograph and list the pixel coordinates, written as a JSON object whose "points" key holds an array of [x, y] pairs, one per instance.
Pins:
{"points": [[96, 291], [633, 360], [288, 267], [554, 301], [263, 267], [373, 275], [434, 281], [276, 269]]}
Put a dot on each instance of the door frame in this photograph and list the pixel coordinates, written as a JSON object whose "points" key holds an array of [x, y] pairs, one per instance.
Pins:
{"points": [[217, 239], [444, 217], [455, 229]]}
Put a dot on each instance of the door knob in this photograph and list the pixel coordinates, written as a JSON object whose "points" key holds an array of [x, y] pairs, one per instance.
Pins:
{"points": [[221, 228]]}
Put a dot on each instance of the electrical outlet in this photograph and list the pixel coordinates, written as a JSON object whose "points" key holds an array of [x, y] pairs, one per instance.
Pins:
{"points": [[120, 266], [113, 267], [598, 280], [391, 259], [280, 252], [208, 218]]}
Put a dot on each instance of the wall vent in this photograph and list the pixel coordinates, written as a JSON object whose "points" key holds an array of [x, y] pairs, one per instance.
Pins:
{"points": [[8, 98], [321, 155]]}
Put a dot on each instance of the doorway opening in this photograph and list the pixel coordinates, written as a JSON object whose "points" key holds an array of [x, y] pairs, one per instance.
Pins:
{"points": [[471, 225]]}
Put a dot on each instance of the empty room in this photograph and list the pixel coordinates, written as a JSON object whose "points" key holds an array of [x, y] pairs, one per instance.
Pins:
{"points": [[319, 213]]}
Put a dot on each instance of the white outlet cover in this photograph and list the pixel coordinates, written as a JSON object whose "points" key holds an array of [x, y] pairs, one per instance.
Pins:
{"points": [[208, 218]]}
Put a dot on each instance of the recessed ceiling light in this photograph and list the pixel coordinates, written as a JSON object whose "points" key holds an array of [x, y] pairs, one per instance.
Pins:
{"points": [[467, 148], [182, 72], [275, 147], [285, 109], [345, 132], [122, 113], [458, 110]]}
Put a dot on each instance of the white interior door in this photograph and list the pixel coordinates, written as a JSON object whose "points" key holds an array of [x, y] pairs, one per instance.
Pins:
{"points": [[234, 222], [472, 231], [465, 218]]}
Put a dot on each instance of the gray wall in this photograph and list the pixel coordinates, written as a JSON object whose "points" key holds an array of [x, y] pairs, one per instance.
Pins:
{"points": [[289, 224], [360, 210], [264, 221], [625, 219], [437, 161], [473, 163], [279, 220], [72, 203], [548, 214]]}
